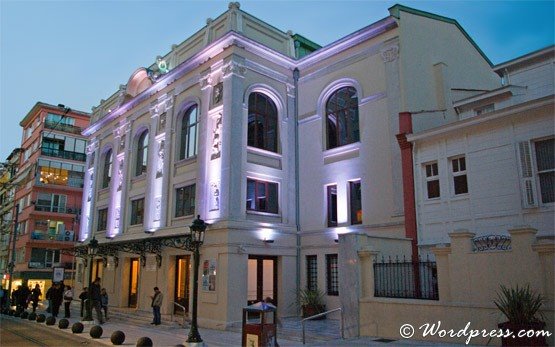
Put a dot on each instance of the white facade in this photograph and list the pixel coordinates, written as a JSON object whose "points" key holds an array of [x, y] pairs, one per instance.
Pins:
{"points": [[391, 66], [497, 133]]}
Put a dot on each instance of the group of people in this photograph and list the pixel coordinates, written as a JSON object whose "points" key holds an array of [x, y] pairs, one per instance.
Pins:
{"points": [[23, 296], [59, 293], [99, 300]]}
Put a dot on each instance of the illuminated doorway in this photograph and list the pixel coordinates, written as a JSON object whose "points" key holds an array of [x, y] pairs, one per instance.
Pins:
{"points": [[133, 282], [262, 279], [182, 273]]}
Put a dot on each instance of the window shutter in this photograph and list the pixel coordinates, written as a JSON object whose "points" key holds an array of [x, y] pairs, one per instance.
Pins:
{"points": [[527, 181]]}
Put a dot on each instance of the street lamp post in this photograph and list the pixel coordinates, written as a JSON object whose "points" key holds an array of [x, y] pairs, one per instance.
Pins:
{"points": [[91, 250], [197, 239]]}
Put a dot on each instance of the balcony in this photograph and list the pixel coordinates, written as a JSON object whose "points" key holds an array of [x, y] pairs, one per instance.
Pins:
{"points": [[57, 209], [66, 236], [63, 127], [63, 154], [49, 265]]}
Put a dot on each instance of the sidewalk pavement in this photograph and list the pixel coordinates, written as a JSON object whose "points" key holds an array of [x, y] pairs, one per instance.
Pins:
{"points": [[163, 335]]}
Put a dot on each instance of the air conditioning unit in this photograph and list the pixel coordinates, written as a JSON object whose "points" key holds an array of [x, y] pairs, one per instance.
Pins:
{"points": [[68, 235]]}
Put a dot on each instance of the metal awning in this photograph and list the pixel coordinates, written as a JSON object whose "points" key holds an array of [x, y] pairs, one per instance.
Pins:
{"points": [[140, 246]]}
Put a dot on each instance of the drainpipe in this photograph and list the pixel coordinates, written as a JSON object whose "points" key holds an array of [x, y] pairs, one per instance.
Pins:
{"points": [[411, 232], [297, 191], [405, 127]]}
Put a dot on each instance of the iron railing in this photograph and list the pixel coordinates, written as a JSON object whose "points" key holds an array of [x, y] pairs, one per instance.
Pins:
{"points": [[63, 127], [63, 154], [399, 278], [341, 322], [491, 243], [57, 209]]}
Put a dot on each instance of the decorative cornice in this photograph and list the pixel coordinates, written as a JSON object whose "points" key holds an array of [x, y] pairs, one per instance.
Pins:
{"points": [[235, 68]]}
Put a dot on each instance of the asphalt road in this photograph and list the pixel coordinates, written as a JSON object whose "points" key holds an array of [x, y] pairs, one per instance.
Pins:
{"points": [[22, 332]]}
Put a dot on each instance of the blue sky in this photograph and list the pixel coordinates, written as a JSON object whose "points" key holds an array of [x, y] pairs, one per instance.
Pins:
{"points": [[78, 52]]}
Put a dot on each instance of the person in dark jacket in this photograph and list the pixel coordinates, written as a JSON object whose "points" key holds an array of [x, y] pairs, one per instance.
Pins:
{"points": [[16, 298], [25, 296], [35, 296], [57, 297], [96, 299], [83, 296]]}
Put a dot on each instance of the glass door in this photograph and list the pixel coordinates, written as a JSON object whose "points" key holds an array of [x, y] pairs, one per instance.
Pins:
{"points": [[133, 282], [262, 279], [182, 273]]}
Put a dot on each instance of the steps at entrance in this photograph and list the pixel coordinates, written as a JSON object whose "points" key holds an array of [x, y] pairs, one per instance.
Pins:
{"points": [[138, 317]]}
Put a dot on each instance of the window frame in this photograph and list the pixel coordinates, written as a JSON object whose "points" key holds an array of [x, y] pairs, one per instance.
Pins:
{"points": [[431, 178], [330, 205], [184, 210], [268, 117], [107, 164], [312, 272], [136, 217], [102, 221], [185, 130], [141, 153], [351, 136], [257, 208], [332, 274], [354, 217], [538, 172], [458, 173]]}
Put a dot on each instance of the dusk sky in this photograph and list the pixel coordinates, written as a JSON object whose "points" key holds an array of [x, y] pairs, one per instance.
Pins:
{"points": [[78, 52]]}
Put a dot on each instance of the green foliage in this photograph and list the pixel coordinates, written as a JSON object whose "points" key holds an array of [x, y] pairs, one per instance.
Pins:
{"points": [[520, 305], [309, 298]]}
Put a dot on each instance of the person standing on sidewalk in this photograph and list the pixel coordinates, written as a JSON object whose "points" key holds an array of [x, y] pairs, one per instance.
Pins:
{"points": [[83, 296], [104, 302], [35, 295], [156, 303], [96, 299], [56, 297], [68, 297]]}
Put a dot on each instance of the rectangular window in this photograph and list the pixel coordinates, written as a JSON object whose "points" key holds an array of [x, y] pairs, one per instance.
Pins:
{"points": [[185, 201], [332, 205], [262, 196], [432, 180], [332, 279], [311, 272], [545, 163], [137, 211], [102, 219], [460, 184], [355, 202]]}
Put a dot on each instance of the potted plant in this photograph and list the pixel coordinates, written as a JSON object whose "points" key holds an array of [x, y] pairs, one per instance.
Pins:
{"points": [[311, 302], [521, 306]]}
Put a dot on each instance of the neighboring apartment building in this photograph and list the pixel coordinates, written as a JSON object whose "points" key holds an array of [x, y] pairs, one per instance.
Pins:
{"points": [[8, 172], [49, 191], [277, 143], [494, 167]]}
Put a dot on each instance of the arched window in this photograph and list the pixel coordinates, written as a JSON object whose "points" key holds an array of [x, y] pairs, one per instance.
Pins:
{"points": [[142, 154], [342, 118], [107, 169], [188, 134], [262, 131]]}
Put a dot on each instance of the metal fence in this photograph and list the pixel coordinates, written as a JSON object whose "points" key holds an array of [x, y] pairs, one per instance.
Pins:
{"points": [[399, 278]]}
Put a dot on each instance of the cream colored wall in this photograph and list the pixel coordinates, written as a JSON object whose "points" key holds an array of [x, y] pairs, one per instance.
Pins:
{"points": [[468, 283], [425, 42], [494, 200]]}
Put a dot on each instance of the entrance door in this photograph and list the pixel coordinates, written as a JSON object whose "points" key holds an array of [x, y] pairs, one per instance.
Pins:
{"points": [[181, 293], [262, 279], [133, 282]]}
